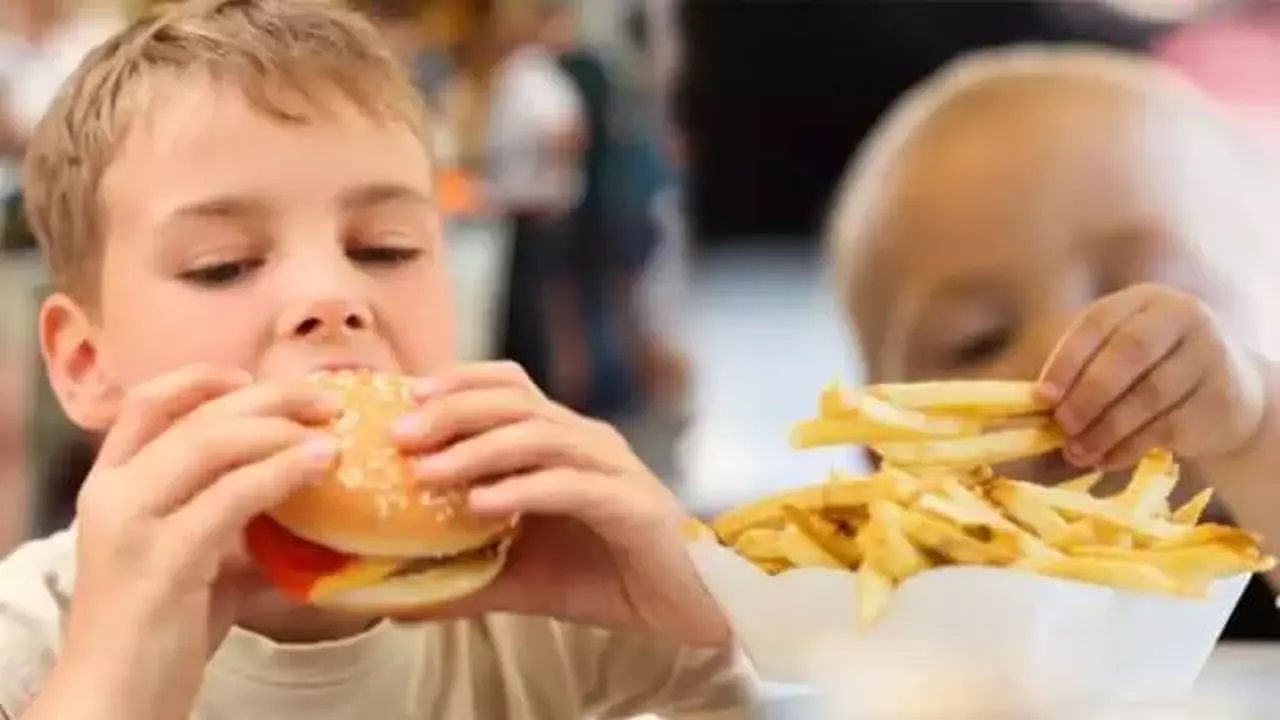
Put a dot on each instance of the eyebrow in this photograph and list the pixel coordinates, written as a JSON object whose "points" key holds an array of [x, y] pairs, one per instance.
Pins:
{"points": [[366, 196], [235, 207]]}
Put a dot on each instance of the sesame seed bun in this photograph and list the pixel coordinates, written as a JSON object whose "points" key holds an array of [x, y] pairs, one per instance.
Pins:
{"points": [[402, 540]]}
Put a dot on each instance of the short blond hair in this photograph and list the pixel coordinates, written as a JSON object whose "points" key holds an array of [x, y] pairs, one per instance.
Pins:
{"points": [[291, 58]]}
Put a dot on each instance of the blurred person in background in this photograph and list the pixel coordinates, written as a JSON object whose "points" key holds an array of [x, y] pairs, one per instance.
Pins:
{"points": [[1085, 218], [1232, 51], [41, 42], [590, 255], [536, 132]]}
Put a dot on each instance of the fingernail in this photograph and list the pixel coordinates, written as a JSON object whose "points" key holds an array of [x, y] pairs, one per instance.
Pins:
{"points": [[424, 388], [320, 448], [1077, 454], [408, 425], [1049, 392]]}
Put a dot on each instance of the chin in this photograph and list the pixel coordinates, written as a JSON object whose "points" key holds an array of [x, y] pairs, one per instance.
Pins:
{"points": [[366, 539]]}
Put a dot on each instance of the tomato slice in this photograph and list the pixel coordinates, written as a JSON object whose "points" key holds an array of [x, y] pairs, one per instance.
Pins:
{"points": [[292, 564]]}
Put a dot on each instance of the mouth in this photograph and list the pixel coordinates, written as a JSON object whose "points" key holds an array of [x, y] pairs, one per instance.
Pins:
{"points": [[340, 367]]}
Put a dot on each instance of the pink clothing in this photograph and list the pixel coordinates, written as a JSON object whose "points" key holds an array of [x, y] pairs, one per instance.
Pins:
{"points": [[1236, 59]]}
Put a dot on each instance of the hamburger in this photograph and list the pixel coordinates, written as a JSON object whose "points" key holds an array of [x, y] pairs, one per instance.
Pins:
{"points": [[368, 538]]}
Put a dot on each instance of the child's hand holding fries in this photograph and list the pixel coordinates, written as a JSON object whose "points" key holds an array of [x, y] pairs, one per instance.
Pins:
{"points": [[1146, 367]]}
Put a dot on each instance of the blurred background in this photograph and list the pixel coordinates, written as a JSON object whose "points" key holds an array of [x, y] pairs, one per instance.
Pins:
{"points": [[693, 148]]}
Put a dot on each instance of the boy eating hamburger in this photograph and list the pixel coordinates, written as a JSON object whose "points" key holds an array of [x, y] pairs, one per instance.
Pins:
{"points": [[235, 202]]}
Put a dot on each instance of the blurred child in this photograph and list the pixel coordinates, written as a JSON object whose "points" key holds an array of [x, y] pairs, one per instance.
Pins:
{"points": [[231, 195], [1081, 218]]}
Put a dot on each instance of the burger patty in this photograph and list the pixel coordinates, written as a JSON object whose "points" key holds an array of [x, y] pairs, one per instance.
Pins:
{"points": [[423, 564]]}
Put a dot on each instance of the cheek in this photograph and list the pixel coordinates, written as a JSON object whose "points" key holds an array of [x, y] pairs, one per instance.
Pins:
{"points": [[418, 316], [177, 328]]}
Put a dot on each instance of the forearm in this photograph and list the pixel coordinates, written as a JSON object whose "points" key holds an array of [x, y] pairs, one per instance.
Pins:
{"points": [[1248, 481], [120, 673], [71, 694]]}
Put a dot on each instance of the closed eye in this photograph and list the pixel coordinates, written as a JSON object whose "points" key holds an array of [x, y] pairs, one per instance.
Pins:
{"points": [[981, 348], [222, 273], [383, 255]]}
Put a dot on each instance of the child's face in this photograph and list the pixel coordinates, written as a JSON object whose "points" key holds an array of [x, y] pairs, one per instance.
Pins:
{"points": [[236, 240], [995, 235]]}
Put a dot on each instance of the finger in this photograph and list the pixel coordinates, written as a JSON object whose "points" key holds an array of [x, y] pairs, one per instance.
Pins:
{"points": [[301, 402], [1084, 338], [448, 418], [1146, 340], [151, 408], [227, 505], [1165, 387], [181, 464], [511, 449], [1176, 429], [601, 504], [472, 376]]}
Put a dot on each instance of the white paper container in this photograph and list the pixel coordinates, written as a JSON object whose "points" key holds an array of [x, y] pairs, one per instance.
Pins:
{"points": [[969, 641]]}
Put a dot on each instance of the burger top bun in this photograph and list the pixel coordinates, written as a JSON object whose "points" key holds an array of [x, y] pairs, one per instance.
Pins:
{"points": [[369, 503]]}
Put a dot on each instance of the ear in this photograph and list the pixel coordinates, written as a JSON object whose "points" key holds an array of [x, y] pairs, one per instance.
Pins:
{"points": [[69, 342]]}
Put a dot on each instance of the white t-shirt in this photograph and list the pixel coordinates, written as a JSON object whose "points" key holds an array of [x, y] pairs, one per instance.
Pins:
{"points": [[532, 100], [31, 75], [491, 668]]}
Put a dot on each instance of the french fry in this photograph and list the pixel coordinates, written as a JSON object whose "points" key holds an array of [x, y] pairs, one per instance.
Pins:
{"points": [[1198, 563], [1038, 517], [1084, 483], [1081, 505], [1119, 574], [990, 449], [952, 542], [974, 398], [1149, 489], [827, 496], [874, 588], [1190, 512], [936, 501], [826, 535], [885, 538], [800, 550], [760, 544]]}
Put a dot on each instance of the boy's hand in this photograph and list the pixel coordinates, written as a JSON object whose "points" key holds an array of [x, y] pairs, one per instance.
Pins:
{"points": [[190, 459], [1149, 367], [600, 541]]}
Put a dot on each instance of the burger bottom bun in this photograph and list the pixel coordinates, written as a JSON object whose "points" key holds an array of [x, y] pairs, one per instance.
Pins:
{"points": [[407, 594]]}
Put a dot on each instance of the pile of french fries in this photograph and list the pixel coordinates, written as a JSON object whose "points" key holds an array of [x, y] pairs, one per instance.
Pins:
{"points": [[936, 501]]}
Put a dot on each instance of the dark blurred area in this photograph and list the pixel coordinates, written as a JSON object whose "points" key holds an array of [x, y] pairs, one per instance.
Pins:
{"points": [[774, 96]]}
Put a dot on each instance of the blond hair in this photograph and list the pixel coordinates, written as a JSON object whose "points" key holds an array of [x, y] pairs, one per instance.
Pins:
{"points": [[1229, 224], [292, 60]]}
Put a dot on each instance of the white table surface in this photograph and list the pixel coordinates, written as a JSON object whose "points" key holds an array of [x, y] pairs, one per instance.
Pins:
{"points": [[1241, 682]]}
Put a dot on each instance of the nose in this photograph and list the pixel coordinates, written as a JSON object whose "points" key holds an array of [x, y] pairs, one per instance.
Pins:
{"points": [[326, 320]]}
